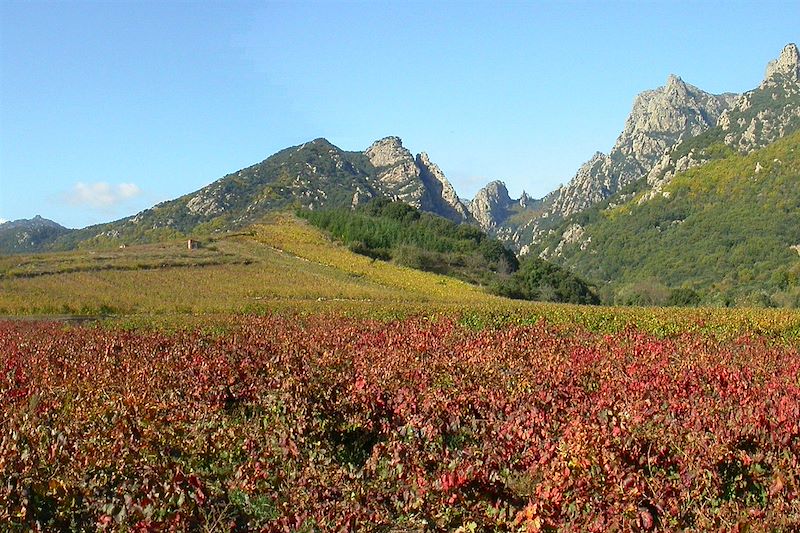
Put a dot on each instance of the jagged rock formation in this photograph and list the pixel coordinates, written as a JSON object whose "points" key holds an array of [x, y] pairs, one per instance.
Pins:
{"points": [[501, 216], [440, 196], [491, 205], [659, 119], [415, 181], [769, 112], [669, 130], [756, 119], [398, 174], [787, 64]]}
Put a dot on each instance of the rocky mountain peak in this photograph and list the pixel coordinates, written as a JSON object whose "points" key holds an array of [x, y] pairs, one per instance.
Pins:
{"points": [[677, 108], [398, 174], [495, 190], [787, 64], [37, 221], [29, 235], [659, 118], [771, 110], [387, 152], [490, 205], [674, 79], [416, 181], [441, 197], [675, 87]]}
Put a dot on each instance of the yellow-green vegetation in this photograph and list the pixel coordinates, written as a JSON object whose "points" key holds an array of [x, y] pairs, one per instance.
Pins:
{"points": [[284, 265], [279, 263], [150, 256], [302, 240], [391, 230]]}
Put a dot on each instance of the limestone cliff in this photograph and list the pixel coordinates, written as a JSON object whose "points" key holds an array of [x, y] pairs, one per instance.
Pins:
{"points": [[660, 118], [415, 181]]}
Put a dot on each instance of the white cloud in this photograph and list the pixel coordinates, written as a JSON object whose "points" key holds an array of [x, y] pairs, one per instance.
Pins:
{"points": [[101, 195], [3, 221]]}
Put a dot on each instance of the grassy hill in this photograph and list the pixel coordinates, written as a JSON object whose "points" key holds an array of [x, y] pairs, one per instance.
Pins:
{"points": [[722, 234], [283, 262]]}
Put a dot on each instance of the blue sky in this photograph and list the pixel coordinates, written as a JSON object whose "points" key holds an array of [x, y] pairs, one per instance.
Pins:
{"points": [[107, 108]]}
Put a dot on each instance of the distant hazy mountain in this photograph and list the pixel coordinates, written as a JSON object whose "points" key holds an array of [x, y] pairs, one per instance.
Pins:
{"points": [[29, 235]]}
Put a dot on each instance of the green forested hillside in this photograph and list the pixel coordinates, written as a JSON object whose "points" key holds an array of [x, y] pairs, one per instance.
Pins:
{"points": [[721, 234], [394, 231]]}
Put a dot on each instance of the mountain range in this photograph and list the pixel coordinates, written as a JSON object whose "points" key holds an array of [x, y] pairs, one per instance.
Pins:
{"points": [[671, 132]]}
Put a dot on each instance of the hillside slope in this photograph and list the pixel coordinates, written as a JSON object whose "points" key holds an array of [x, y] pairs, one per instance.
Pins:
{"points": [[314, 175], [280, 263], [400, 233], [728, 230]]}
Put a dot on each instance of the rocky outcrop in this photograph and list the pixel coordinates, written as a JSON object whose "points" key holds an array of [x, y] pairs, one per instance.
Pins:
{"points": [[573, 234], [416, 181], [659, 119], [769, 112], [204, 203], [398, 175], [503, 217], [756, 119], [490, 205], [593, 183], [388, 152], [440, 196], [786, 65]]}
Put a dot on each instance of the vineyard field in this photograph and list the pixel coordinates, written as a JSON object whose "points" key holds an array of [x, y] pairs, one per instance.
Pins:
{"points": [[427, 423], [283, 263]]}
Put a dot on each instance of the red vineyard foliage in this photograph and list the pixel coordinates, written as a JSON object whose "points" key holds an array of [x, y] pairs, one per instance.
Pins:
{"points": [[325, 424]]}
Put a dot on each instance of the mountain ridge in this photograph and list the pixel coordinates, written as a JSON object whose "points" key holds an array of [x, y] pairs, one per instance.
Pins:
{"points": [[728, 231], [670, 129], [312, 175]]}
